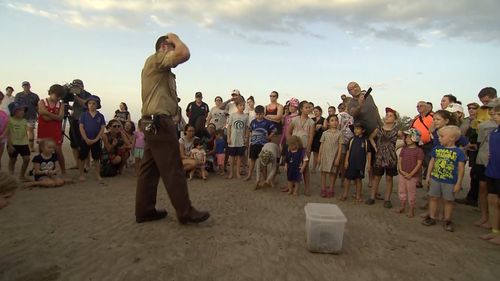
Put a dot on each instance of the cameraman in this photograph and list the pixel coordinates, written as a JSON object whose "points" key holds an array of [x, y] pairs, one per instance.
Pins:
{"points": [[78, 108]]}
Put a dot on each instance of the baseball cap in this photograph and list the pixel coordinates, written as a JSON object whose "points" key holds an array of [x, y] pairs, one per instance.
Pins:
{"points": [[235, 92], [455, 107], [388, 109], [25, 83], [198, 95], [473, 104], [414, 134]]}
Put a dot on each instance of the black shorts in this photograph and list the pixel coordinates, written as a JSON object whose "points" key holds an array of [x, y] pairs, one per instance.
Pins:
{"points": [[75, 137], [388, 171], [236, 151], [95, 148], [23, 150], [480, 170], [255, 149], [354, 174], [494, 186]]}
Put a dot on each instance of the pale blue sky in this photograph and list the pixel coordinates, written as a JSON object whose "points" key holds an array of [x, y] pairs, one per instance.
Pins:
{"points": [[406, 50]]}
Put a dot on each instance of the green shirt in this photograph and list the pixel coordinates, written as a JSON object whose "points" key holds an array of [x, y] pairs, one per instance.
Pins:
{"points": [[18, 131]]}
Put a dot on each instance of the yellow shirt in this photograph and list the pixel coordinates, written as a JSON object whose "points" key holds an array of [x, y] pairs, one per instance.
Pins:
{"points": [[481, 115], [159, 91]]}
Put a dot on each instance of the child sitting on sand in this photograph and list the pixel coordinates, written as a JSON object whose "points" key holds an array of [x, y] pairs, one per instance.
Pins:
{"points": [[45, 166], [199, 154], [409, 165], [296, 161], [8, 187], [447, 170]]}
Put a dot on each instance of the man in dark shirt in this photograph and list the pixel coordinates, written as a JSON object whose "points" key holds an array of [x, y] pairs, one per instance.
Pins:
{"points": [[30, 99], [78, 108], [363, 109], [197, 109]]}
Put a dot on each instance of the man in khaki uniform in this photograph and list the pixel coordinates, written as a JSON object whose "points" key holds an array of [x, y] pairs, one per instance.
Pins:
{"points": [[161, 152]]}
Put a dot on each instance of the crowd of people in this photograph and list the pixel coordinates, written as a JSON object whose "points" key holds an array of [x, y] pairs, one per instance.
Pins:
{"points": [[237, 138]]}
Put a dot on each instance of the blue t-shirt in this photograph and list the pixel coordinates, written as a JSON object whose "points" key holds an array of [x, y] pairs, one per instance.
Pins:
{"points": [[220, 144], [446, 164], [493, 167], [91, 125], [461, 142], [260, 130]]}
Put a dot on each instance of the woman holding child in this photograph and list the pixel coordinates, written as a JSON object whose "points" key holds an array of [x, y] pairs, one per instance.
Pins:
{"points": [[117, 144], [185, 146]]}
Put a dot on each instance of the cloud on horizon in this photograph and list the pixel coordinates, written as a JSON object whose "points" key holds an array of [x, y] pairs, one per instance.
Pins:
{"points": [[412, 23]]}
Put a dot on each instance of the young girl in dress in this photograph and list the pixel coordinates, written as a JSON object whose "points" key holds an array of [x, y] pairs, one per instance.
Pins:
{"points": [[296, 161], [409, 165], [303, 127], [329, 154], [45, 166], [138, 146], [199, 154], [386, 159]]}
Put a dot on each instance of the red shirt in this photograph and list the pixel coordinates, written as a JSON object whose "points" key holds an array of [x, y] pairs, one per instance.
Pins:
{"points": [[52, 128]]}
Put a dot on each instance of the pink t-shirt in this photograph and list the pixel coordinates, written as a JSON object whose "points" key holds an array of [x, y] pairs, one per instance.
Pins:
{"points": [[139, 139], [4, 121]]}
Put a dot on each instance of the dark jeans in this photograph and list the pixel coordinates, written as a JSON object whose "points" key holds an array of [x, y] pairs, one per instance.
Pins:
{"points": [[162, 159], [74, 133]]}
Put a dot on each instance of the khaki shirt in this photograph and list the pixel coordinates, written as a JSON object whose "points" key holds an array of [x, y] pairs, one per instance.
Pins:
{"points": [[159, 91]]}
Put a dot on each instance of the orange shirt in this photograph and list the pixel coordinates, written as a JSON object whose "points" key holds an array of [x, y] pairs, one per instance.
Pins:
{"points": [[423, 124]]}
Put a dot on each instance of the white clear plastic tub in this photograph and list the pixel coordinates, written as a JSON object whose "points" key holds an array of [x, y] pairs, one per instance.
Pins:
{"points": [[325, 224]]}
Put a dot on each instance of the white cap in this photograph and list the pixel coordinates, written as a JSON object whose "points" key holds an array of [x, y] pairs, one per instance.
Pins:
{"points": [[455, 107]]}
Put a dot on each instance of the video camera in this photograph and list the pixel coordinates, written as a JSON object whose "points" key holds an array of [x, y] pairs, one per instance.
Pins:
{"points": [[70, 90]]}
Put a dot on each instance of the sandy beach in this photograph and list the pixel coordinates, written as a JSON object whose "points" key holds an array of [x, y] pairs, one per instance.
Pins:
{"points": [[87, 231]]}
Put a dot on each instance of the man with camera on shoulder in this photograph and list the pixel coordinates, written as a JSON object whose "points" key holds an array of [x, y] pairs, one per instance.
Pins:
{"points": [[80, 97]]}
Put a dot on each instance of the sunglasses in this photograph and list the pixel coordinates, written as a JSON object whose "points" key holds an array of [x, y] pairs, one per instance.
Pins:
{"points": [[116, 126]]}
